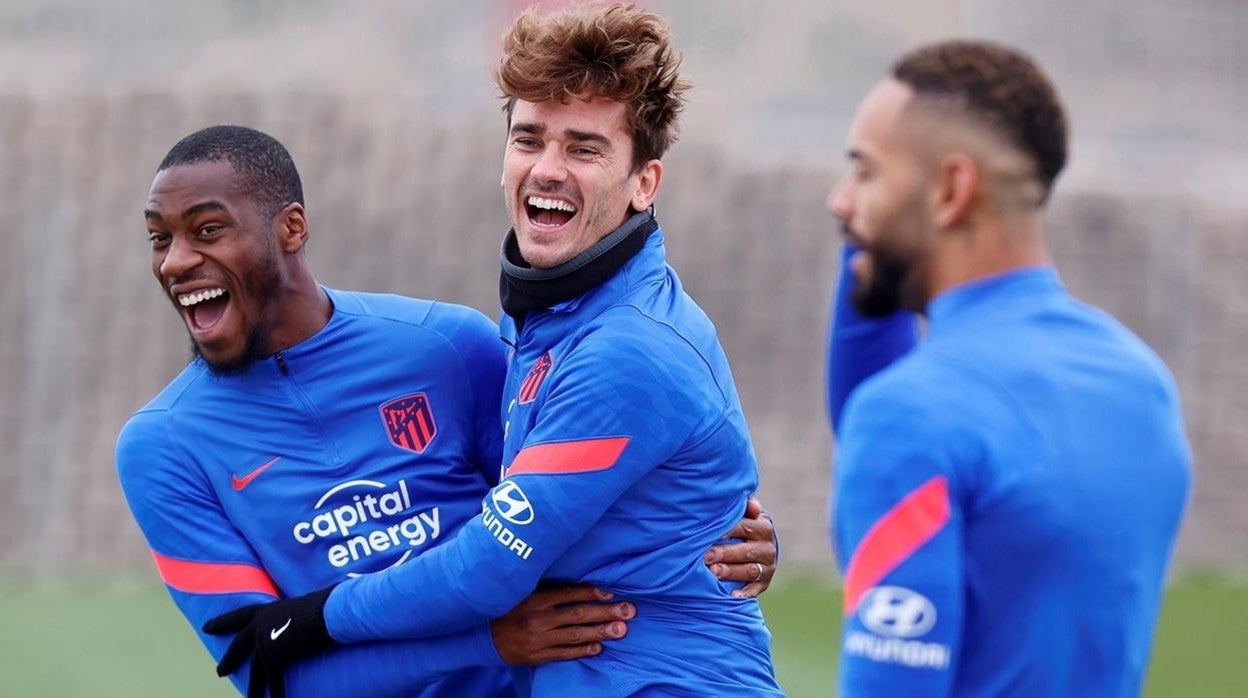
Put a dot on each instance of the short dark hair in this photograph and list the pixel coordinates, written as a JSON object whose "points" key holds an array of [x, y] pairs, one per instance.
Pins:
{"points": [[1000, 85], [617, 52], [263, 165]]}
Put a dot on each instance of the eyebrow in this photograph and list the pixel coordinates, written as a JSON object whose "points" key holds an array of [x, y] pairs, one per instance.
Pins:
{"points": [[189, 213], [570, 134]]}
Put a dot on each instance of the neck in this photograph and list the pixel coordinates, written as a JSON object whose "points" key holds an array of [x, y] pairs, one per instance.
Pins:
{"points": [[986, 247], [305, 309]]}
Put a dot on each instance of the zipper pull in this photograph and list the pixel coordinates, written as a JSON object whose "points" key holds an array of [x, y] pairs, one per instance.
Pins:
{"points": [[281, 364]]}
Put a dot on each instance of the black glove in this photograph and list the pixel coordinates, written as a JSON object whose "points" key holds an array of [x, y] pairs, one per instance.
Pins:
{"points": [[274, 635]]}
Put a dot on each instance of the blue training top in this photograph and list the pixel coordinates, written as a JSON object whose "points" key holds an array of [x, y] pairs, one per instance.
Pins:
{"points": [[627, 456], [362, 447], [1007, 498]]}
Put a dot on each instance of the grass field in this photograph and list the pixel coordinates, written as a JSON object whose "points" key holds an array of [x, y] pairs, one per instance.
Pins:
{"points": [[72, 643]]}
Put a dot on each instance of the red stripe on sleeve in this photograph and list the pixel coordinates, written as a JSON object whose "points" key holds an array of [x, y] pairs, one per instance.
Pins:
{"points": [[569, 457], [213, 577], [895, 536]]}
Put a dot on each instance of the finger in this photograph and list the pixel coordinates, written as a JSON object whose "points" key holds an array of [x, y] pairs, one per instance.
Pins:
{"points": [[577, 635], [760, 529], [592, 613], [745, 553], [232, 621], [256, 684], [581, 593], [751, 590], [557, 654], [753, 508], [237, 653]]}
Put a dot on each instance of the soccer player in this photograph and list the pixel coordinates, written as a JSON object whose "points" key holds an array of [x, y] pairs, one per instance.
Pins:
{"points": [[321, 434], [1008, 491], [626, 450]]}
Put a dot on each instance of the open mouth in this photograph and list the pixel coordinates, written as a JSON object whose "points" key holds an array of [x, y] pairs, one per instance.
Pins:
{"points": [[204, 308], [548, 213]]}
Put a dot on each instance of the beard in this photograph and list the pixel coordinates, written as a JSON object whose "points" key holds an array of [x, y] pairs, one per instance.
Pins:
{"points": [[263, 285], [881, 295]]}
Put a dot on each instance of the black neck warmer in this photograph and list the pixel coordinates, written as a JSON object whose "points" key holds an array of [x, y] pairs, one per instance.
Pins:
{"points": [[523, 288]]}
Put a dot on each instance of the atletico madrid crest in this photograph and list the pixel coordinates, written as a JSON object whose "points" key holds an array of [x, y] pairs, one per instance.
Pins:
{"points": [[533, 381], [409, 420]]}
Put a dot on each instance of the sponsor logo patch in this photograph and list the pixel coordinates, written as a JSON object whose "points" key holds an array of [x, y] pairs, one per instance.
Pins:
{"points": [[512, 504], [894, 616], [409, 422], [896, 612], [362, 518]]}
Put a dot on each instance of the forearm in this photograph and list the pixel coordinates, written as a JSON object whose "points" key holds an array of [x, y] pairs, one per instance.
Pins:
{"points": [[460, 584], [859, 347]]}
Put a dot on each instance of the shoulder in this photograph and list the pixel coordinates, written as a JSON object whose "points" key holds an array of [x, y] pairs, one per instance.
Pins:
{"points": [[629, 335], [143, 448], [456, 323]]}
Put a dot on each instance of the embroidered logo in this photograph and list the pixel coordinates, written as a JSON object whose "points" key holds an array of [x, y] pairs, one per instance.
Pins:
{"points": [[409, 421], [240, 482], [533, 381]]}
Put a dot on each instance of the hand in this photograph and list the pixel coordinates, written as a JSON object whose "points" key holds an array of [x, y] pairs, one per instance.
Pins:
{"points": [[556, 624], [754, 559], [274, 635]]}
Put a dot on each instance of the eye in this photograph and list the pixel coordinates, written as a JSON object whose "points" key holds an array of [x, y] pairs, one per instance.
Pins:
{"points": [[208, 231], [584, 152], [526, 143], [158, 240]]}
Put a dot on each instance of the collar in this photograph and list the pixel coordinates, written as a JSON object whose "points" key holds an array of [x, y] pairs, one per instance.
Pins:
{"points": [[524, 289], [992, 294]]}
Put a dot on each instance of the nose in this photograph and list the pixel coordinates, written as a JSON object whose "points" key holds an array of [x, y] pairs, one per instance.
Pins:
{"points": [[180, 257], [840, 200], [550, 167]]}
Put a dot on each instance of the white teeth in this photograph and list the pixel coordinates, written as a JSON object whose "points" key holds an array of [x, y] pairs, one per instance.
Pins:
{"points": [[551, 204], [189, 299]]}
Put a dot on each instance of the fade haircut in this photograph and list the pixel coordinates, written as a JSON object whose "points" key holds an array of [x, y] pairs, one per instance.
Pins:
{"points": [[1000, 86], [263, 165], [616, 52]]}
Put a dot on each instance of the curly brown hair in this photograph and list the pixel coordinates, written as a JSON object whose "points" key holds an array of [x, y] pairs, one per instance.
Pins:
{"points": [[1000, 85], [616, 52]]}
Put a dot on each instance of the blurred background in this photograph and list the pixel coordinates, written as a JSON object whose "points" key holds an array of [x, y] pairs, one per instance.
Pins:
{"points": [[391, 114]]}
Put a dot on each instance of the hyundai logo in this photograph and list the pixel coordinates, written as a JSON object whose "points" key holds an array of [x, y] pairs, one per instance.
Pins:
{"points": [[896, 612], [511, 504]]}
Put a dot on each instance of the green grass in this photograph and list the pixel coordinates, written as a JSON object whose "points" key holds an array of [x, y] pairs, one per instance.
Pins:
{"points": [[72, 643]]}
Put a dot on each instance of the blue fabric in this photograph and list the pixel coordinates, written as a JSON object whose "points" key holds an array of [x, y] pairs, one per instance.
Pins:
{"points": [[343, 498], [637, 362], [1058, 437]]}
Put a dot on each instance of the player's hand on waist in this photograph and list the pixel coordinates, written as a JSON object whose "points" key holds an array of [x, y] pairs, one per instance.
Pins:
{"points": [[557, 624], [754, 559], [274, 635]]}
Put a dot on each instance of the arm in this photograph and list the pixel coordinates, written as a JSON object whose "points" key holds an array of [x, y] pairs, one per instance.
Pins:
{"points": [[899, 539], [860, 347], [209, 569], [583, 452]]}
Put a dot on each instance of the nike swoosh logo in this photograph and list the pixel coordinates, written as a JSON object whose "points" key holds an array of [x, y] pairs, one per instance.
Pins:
{"points": [[240, 482], [277, 632]]}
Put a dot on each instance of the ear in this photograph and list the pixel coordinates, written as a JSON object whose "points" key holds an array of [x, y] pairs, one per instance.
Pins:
{"points": [[292, 228], [647, 189], [956, 191]]}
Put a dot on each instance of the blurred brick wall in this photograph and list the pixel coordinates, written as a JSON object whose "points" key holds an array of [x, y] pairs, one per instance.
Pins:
{"points": [[87, 338], [388, 110]]}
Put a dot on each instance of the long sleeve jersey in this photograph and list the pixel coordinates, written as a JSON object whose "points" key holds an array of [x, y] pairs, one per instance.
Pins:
{"points": [[359, 449], [1007, 499], [626, 457]]}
